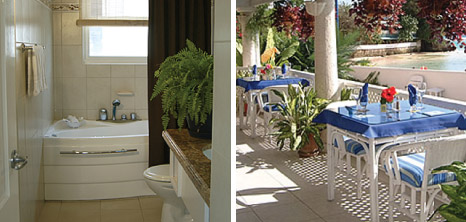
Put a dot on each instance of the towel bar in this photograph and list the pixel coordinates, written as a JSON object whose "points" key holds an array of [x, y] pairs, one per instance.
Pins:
{"points": [[24, 47]]}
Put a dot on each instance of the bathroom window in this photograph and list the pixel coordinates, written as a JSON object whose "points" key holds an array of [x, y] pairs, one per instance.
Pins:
{"points": [[114, 31], [109, 45]]}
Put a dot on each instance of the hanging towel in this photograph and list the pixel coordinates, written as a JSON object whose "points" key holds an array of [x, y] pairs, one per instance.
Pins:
{"points": [[36, 81]]}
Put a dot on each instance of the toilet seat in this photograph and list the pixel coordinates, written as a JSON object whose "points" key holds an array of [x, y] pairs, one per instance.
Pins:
{"points": [[159, 173]]}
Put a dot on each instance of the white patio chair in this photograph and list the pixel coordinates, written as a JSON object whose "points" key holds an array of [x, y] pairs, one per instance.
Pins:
{"points": [[346, 147], [266, 99], [415, 172], [415, 80]]}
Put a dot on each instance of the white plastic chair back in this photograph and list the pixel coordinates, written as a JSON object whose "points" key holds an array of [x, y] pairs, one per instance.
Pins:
{"points": [[271, 96], [416, 80], [335, 105], [445, 151]]}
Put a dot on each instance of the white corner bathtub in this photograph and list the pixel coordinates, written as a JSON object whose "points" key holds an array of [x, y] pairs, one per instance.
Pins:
{"points": [[99, 160]]}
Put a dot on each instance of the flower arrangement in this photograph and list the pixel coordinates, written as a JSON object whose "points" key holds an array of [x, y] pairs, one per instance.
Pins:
{"points": [[388, 95], [267, 70]]}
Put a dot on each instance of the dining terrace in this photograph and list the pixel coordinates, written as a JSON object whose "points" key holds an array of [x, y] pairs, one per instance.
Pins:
{"points": [[274, 185]]}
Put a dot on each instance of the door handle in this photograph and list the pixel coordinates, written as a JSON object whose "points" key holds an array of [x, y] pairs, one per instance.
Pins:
{"points": [[17, 162]]}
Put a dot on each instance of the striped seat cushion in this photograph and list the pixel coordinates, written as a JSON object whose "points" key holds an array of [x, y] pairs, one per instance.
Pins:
{"points": [[355, 147], [412, 171], [274, 107]]}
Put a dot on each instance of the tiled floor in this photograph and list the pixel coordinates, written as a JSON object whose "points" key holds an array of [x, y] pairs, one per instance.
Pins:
{"points": [[139, 209], [275, 185]]}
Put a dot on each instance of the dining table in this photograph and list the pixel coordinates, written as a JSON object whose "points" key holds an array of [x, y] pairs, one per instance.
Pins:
{"points": [[251, 89], [383, 130]]}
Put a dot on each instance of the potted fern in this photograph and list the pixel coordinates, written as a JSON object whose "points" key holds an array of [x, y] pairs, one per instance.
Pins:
{"points": [[185, 81], [298, 108]]}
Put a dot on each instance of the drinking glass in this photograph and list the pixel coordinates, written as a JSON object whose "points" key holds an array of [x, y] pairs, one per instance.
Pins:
{"points": [[356, 95], [421, 90]]}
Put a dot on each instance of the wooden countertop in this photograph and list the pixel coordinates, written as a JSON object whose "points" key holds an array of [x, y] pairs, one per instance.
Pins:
{"points": [[188, 151]]}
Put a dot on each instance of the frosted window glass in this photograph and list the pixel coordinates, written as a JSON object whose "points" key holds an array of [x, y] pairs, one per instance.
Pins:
{"points": [[118, 41]]}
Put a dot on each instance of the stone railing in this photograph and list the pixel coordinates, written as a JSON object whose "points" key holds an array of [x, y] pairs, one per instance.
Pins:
{"points": [[375, 91]]}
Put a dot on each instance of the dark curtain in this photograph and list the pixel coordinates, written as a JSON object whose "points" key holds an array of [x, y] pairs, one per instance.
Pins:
{"points": [[171, 22]]}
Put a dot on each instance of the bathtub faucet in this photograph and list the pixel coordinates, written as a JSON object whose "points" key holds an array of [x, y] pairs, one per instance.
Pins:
{"points": [[115, 103]]}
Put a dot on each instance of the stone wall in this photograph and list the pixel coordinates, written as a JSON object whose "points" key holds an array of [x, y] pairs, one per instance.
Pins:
{"points": [[386, 49]]}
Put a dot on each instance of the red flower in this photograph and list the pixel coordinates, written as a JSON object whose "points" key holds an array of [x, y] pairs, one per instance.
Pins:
{"points": [[263, 71], [388, 94]]}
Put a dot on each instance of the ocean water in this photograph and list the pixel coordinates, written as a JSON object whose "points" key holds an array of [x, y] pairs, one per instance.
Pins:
{"points": [[453, 61]]}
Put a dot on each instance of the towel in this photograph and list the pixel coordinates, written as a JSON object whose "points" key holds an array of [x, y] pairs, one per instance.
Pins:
{"points": [[412, 95], [364, 92], [36, 81], [284, 69]]}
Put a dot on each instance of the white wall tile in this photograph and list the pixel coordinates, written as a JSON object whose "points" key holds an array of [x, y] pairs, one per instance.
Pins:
{"points": [[140, 100], [71, 33], [58, 95], [98, 93], [122, 71], [57, 61], [140, 71], [93, 114], [57, 28], [142, 114], [70, 1], [72, 62], [98, 71], [123, 84], [74, 93]]}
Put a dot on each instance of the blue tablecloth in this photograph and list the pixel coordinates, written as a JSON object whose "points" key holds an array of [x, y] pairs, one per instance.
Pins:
{"points": [[375, 124], [257, 85]]}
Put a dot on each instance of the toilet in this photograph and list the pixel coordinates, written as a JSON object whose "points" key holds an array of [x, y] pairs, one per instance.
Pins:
{"points": [[158, 179]]}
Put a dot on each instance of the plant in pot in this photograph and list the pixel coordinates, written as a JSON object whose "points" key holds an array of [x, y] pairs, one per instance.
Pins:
{"points": [[298, 108], [185, 82]]}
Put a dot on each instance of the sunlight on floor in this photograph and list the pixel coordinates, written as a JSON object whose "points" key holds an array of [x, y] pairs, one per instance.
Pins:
{"points": [[274, 185]]}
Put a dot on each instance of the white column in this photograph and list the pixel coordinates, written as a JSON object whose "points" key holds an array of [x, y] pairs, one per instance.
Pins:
{"points": [[251, 51], [326, 69]]}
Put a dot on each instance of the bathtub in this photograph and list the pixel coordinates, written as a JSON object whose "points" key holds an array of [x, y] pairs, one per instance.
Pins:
{"points": [[99, 160]]}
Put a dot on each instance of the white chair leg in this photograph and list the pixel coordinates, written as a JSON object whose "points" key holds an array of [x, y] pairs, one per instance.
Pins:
{"points": [[348, 165], [359, 177], [403, 189], [424, 210], [413, 201], [391, 200]]}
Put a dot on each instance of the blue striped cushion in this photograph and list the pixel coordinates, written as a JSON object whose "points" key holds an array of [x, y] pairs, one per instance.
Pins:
{"points": [[274, 107], [412, 171], [352, 146], [355, 147]]}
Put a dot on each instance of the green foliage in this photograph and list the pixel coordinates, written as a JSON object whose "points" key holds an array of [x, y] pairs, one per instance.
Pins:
{"points": [[456, 210], [345, 94], [372, 78], [424, 31], [185, 81], [261, 19], [362, 62], [409, 24], [298, 109]]}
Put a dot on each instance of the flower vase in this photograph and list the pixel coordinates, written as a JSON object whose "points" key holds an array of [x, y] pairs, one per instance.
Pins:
{"points": [[383, 108], [389, 107]]}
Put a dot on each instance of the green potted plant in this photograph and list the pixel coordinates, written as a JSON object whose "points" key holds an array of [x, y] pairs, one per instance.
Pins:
{"points": [[185, 81], [456, 209], [298, 108]]}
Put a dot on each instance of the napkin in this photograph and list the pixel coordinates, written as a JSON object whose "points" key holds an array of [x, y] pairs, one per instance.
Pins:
{"points": [[412, 95], [284, 69], [254, 69], [365, 91]]}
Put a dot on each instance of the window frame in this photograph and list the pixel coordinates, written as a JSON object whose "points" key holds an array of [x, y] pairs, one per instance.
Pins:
{"points": [[90, 60]]}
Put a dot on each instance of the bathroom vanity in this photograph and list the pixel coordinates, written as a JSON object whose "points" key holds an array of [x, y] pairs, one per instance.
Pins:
{"points": [[190, 171]]}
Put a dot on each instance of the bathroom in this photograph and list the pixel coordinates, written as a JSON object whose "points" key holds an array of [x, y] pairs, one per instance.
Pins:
{"points": [[80, 87]]}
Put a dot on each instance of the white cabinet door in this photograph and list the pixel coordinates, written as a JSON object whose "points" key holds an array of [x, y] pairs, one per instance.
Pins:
{"points": [[9, 198]]}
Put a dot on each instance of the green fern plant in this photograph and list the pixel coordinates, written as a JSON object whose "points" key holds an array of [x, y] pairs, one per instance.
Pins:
{"points": [[185, 81]]}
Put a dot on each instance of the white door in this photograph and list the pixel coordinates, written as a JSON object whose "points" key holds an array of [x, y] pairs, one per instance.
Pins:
{"points": [[9, 198]]}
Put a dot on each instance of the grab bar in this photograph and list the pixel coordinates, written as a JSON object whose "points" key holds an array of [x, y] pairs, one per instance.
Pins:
{"points": [[98, 152], [23, 47]]}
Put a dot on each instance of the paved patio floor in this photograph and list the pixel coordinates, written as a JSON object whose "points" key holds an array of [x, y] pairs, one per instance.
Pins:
{"points": [[274, 185]]}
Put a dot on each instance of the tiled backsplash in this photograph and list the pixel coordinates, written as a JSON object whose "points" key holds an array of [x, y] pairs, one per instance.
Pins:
{"points": [[83, 89]]}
